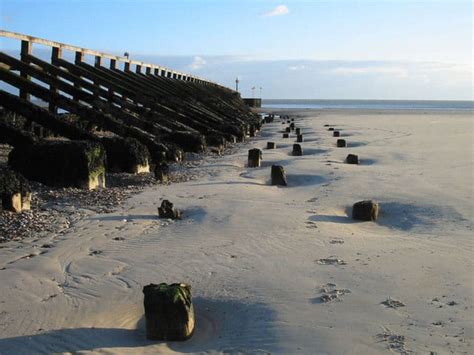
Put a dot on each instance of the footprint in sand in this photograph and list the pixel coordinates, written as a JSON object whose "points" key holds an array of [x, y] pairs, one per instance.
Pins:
{"points": [[331, 261], [330, 293], [391, 303], [394, 342]]}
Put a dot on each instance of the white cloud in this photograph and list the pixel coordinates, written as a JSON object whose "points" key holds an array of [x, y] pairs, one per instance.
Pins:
{"points": [[394, 71], [296, 67], [198, 63], [277, 11]]}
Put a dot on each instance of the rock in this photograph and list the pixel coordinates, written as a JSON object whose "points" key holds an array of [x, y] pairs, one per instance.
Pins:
{"points": [[271, 145], [286, 135], [168, 211], [297, 150], [330, 129], [169, 313], [297, 131], [352, 159], [336, 133], [255, 157], [341, 143], [299, 138], [366, 210], [278, 175], [161, 172]]}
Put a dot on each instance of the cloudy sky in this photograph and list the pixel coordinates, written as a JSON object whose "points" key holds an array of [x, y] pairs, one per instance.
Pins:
{"points": [[347, 49]]}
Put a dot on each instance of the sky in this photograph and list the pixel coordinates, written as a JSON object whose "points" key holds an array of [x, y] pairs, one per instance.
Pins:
{"points": [[339, 49]]}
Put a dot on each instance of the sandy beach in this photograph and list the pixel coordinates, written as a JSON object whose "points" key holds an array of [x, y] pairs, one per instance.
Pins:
{"points": [[273, 269]]}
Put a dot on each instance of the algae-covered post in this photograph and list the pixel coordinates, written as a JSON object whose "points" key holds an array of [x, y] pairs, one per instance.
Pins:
{"points": [[169, 312]]}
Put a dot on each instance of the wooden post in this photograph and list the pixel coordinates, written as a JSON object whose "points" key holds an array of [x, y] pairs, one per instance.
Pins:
{"points": [[126, 66], [112, 66], [25, 50], [148, 70], [78, 59], [156, 71], [56, 53], [138, 68]]}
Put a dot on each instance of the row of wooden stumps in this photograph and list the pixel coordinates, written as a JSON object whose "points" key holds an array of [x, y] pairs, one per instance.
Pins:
{"points": [[169, 312], [366, 210]]}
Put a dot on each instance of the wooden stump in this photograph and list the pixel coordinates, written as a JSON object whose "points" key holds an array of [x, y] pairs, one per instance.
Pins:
{"points": [[11, 202], [287, 130], [341, 143], [169, 312], [167, 210], [61, 163], [292, 120], [15, 193], [292, 126], [297, 131], [161, 172], [330, 129], [286, 135], [336, 134], [278, 175], [366, 210], [352, 159], [126, 155], [271, 145], [255, 157], [297, 150], [299, 138]]}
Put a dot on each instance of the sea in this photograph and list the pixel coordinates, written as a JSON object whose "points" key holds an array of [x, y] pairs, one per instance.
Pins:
{"points": [[370, 104]]}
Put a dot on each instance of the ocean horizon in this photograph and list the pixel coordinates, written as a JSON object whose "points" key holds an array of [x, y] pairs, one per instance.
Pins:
{"points": [[437, 105]]}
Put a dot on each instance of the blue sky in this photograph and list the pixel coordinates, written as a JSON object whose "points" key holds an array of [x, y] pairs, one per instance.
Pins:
{"points": [[385, 49]]}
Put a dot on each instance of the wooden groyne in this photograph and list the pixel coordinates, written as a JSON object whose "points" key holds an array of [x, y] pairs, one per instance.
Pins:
{"points": [[139, 112]]}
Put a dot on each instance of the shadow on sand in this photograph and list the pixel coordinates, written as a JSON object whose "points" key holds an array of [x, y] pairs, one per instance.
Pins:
{"points": [[221, 326]]}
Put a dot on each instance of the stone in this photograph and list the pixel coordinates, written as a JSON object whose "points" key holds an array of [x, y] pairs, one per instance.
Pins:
{"points": [[167, 210], [341, 143], [271, 145], [286, 135], [254, 158], [297, 150], [169, 312], [336, 134], [162, 172], [297, 131], [352, 159], [278, 175], [299, 138], [366, 210]]}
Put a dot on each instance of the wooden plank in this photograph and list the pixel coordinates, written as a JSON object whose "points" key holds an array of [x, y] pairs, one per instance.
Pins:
{"points": [[84, 51]]}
